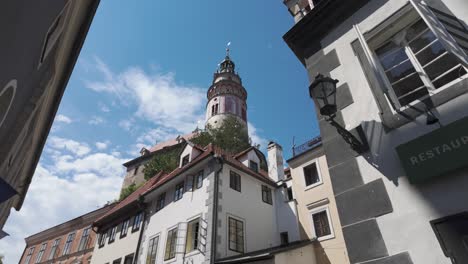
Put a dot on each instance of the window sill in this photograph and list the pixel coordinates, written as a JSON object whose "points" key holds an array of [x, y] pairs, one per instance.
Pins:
{"points": [[324, 238], [394, 119], [192, 253], [122, 236], [135, 230], [313, 185]]}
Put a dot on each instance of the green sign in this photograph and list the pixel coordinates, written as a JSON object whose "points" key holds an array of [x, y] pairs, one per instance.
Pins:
{"points": [[437, 153]]}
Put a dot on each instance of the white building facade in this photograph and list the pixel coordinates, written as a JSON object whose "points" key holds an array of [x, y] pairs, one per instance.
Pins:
{"points": [[401, 67]]}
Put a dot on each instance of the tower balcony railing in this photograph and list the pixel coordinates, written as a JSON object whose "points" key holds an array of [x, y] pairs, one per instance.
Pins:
{"points": [[310, 144]]}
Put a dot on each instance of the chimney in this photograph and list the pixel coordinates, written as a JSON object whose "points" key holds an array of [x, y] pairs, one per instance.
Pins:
{"points": [[275, 162]]}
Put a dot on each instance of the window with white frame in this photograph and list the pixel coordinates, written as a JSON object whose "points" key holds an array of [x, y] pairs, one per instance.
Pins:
{"points": [[321, 223], [413, 55], [193, 233], [137, 221], [125, 226], [236, 235], [41, 253], [235, 181], [28, 257], [68, 243], [253, 165], [199, 179], [266, 195], [179, 191], [112, 233], [152, 250], [415, 63], [53, 250], [84, 239], [311, 175], [171, 244]]}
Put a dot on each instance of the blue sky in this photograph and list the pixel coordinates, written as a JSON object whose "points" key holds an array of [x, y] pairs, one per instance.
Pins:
{"points": [[141, 78]]}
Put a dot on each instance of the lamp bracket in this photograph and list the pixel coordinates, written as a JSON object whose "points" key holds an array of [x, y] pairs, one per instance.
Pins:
{"points": [[355, 144]]}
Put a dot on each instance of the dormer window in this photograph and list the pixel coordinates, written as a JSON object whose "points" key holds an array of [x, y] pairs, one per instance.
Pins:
{"points": [[253, 165], [185, 160]]}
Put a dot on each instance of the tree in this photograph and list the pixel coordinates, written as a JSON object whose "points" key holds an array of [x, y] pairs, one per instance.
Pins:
{"points": [[166, 160], [127, 191], [231, 136]]}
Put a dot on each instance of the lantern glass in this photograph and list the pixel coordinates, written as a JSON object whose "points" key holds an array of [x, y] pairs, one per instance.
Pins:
{"points": [[323, 90]]}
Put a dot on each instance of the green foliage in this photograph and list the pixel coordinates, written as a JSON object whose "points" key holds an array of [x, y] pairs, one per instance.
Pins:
{"points": [[124, 193], [164, 161], [231, 136]]}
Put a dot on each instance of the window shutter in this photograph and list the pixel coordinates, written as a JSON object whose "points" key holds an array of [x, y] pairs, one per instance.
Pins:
{"points": [[375, 68], [449, 30]]}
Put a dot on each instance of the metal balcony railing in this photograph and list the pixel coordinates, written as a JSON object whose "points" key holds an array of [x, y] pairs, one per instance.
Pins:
{"points": [[297, 150]]}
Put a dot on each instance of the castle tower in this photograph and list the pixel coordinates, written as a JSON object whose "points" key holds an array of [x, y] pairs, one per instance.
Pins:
{"points": [[226, 96]]}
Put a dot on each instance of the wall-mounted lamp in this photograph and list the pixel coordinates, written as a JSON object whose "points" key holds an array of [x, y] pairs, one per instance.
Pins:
{"points": [[323, 91]]}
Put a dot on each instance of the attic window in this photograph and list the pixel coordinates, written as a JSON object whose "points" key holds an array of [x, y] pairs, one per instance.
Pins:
{"points": [[185, 160], [253, 165]]}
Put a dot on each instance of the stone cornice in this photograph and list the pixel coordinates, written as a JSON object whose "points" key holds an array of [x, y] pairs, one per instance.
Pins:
{"points": [[227, 87]]}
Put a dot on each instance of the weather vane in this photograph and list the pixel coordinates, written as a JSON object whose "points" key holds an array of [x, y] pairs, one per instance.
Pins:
{"points": [[227, 48]]}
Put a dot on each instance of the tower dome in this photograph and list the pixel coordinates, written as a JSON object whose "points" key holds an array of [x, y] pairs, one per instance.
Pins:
{"points": [[226, 96]]}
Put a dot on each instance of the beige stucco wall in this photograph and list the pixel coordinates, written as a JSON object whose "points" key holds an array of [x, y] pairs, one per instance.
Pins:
{"points": [[332, 250], [302, 255]]}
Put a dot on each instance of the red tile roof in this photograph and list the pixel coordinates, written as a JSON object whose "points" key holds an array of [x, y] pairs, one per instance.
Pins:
{"points": [[171, 142], [161, 178], [133, 197]]}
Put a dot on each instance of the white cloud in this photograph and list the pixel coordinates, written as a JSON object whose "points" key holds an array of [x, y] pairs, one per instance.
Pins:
{"points": [[96, 120], [127, 124], [51, 200], [95, 163], [104, 108], [255, 137], [158, 98], [156, 135], [72, 146], [102, 145], [63, 119]]}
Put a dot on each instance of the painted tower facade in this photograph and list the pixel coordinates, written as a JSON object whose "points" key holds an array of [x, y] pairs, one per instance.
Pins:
{"points": [[226, 96]]}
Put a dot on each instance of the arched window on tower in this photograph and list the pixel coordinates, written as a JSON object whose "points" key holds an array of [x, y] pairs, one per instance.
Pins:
{"points": [[244, 114], [214, 109]]}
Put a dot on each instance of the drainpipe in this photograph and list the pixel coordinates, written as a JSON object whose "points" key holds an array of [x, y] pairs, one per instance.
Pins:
{"points": [[214, 234], [141, 205]]}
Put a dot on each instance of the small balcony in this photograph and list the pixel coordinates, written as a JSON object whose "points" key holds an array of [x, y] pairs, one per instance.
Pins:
{"points": [[310, 144]]}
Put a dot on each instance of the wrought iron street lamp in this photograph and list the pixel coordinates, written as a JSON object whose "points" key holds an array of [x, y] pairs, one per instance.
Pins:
{"points": [[323, 91]]}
